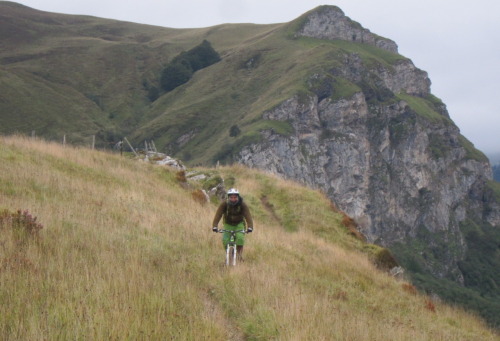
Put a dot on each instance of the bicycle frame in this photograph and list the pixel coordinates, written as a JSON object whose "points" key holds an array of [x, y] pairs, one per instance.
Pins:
{"points": [[231, 245]]}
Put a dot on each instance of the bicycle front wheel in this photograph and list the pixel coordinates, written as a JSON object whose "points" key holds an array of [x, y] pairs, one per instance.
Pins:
{"points": [[231, 255]]}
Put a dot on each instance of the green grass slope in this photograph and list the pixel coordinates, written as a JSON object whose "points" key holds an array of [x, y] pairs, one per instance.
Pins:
{"points": [[126, 253], [82, 76]]}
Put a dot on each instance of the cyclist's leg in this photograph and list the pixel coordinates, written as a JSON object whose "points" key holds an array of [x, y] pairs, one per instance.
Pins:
{"points": [[240, 237], [240, 240], [225, 238], [239, 250]]}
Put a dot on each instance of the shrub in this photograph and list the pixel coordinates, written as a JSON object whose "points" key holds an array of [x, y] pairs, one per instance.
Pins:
{"points": [[181, 68], [21, 221], [181, 176], [352, 227], [199, 196], [174, 75], [384, 259], [234, 131], [199, 56], [430, 305], [380, 256], [410, 288]]}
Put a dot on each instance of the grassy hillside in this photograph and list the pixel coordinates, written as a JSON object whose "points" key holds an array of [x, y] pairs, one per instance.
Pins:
{"points": [[126, 253], [83, 76]]}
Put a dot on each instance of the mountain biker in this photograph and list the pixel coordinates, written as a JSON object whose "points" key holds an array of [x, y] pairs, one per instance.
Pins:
{"points": [[235, 213]]}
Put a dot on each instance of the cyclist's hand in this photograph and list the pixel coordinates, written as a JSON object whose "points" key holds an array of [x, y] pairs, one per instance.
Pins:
{"points": [[250, 230], [215, 229]]}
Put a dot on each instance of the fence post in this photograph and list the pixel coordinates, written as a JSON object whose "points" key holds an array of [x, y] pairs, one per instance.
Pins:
{"points": [[93, 142], [64, 140], [130, 146]]}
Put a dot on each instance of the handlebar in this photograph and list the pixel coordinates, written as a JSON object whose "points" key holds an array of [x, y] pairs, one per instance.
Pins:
{"points": [[238, 231]]}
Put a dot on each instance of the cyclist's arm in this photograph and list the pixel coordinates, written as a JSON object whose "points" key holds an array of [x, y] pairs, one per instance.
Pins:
{"points": [[219, 213], [247, 215]]}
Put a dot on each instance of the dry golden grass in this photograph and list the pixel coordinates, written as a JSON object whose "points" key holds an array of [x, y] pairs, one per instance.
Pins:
{"points": [[126, 253]]}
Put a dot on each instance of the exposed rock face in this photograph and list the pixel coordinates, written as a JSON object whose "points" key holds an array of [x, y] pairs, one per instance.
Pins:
{"points": [[329, 22], [405, 176], [378, 166]]}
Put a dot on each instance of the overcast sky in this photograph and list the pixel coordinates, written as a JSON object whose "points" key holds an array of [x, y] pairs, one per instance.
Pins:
{"points": [[456, 41]]}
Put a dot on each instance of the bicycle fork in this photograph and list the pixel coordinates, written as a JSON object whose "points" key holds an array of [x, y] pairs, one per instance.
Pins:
{"points": [[231, 247]]}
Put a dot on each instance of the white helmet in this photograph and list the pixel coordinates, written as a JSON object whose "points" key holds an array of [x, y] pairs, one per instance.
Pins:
{"points": [[233, 191]]}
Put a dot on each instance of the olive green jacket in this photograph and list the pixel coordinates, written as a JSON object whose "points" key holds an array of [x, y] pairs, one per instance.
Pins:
{"points": [[233, 215]]}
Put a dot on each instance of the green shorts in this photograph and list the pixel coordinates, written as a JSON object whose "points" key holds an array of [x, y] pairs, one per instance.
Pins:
{"points": [[240, 237]]}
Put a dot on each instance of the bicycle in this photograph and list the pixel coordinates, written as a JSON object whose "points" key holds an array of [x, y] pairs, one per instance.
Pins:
{"points": [[231, 253]]}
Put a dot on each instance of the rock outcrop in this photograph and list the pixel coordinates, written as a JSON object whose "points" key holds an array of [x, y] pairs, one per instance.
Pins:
{"points": [[329, 22], [387, 153]]}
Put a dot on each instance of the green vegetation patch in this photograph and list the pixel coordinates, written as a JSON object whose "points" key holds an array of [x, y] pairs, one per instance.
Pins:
{"points": [[471, 151], [280, 127], [252, 134], [227, 152], [480, 268], [370, 54], [452, 293], [343, 88], [495, 187], [181, 68], [380, 256], [422, 107]]}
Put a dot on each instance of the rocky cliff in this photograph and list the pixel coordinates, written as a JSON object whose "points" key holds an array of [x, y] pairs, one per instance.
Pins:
{"points": [[329, 22], [386, 153]]}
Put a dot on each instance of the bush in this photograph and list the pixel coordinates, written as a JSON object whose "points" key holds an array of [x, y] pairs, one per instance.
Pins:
{"points": [[380, 256], [181, 176], [199, 196], [174, 75], [21, 221], [410, 288], [352, 227], [199, 56], [385, 260], [234, 131], [181, 68], [17, 229]]}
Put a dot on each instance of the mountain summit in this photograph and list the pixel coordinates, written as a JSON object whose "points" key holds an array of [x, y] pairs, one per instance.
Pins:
{"points": [[330, 22]]}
